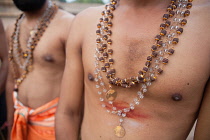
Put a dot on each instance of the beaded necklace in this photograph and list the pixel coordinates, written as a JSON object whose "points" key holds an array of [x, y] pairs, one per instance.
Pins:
{"points": [[164, 45], [24, 59]]}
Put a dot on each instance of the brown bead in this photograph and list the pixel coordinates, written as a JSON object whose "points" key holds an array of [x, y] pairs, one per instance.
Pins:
{"points": [[132, 83], [103, 69], [109, 73], [154, 54], [140, 72], [165, 16], [147, 64], [114, 2], [98, 40], [173, 1], [163, 32], [169, 8], [145, 69], [159, 71], [133, 79], [98, 32], [106, 29], [109, 24], [110, 51], [101, 50], [109, 41], [101, 59], [105, 37], [159, 43], [105, 54], [99, 25], [174, 5], [175, 40], [171, 13], [108, 76], [101, 19], [111, 61], [171, 51], [141, 77], [112, 7], [106, 20], [179, 31], [149, 58], [108, 11], [162, 26], [165, 60], [168, 23], [124, 81], [183, 22], [104, 46], [106, 7], [158, 37], [154, 48], [190, 0], [107, 65], [110, 15], [102, 13], [109, 32], [189, 5], [113, 71], [186, 13]]}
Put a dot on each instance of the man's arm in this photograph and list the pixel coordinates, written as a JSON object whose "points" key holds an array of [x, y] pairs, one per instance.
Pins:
{"points": [[202, 131], [68, 115], [9, 88], [3, 58]]}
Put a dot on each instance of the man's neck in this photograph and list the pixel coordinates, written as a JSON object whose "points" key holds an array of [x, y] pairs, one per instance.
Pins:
{"points": [[35, 15]]}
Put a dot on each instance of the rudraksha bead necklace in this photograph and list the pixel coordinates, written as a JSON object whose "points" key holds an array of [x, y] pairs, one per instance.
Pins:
{"points": [[164, 46], [24, 59]]}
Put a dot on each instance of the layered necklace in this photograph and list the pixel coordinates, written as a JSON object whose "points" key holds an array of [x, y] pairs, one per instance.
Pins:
{"points": [[24, 59], [164, 46]]}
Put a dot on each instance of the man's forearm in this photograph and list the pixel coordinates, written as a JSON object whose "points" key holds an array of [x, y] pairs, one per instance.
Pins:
{"points": [[67, 126], [10, 104]]}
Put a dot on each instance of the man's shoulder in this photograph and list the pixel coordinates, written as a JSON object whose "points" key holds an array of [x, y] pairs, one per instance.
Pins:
{"points": [[10, 29], [90, 13], [64, 16]]}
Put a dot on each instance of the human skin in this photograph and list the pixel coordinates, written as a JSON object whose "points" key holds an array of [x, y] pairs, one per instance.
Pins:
{"points": [[158, 116], [3, 58], [42, 84]]}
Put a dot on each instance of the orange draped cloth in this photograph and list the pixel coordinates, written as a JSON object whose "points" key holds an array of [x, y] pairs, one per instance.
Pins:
{"points": [[33, 124]]}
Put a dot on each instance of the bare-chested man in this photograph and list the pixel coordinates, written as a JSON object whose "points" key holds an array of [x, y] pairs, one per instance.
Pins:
{"points": [[164, 109], [37, 58]]}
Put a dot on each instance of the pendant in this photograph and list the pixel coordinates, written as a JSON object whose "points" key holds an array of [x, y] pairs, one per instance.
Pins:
{"points": [[111, 95], [119, 131]]}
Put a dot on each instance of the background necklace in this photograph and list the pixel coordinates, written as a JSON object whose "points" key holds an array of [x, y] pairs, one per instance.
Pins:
{"points": [[165, 42]]}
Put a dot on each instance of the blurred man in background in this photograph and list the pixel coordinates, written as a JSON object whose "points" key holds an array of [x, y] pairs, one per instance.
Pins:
{"points": [[37, 58]]}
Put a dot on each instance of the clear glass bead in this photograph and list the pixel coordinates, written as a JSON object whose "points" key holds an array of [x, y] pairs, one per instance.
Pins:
{"points": [[123, 114], [104, 90], [144, 90], [101, 99], [102, 83]]}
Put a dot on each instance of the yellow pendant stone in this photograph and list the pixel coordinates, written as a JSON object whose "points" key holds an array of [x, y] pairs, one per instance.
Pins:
{"points": [[111, 95], [119, 131]]}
